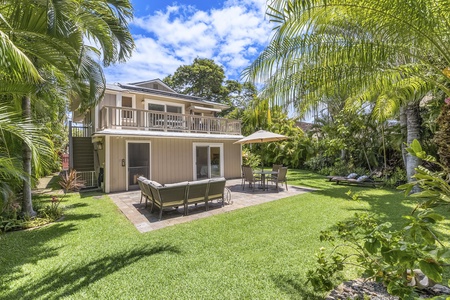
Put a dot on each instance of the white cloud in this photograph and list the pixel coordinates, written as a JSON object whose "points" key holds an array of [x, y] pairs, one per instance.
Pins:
{"points": [[231, 35]]}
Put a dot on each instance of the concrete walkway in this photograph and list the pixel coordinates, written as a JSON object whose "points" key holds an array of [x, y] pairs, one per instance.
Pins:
{"points": [[144, 220]]}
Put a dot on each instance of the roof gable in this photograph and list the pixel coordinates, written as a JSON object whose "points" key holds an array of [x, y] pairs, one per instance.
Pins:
{"points": [[155, 84]]}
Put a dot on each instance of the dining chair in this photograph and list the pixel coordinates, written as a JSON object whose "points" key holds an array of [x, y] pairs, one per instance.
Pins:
{"points": [[250, 177], [243, 176], [280, 178], [275, 168]]}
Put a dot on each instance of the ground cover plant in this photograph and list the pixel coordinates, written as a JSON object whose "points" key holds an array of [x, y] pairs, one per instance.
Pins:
{"points": [[394, 255], [260, 252]]}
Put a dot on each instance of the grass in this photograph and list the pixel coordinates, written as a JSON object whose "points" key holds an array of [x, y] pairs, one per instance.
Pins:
{"points": [[259, 252]]}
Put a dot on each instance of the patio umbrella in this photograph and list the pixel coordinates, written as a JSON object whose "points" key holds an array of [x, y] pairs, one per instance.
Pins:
{"points": [[262, 136]]}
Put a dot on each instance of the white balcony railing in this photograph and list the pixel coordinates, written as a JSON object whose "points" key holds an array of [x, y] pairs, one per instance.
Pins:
{"points": [[128, 118]]}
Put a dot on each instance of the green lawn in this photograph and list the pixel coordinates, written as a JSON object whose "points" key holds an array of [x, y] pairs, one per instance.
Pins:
{"points": [[259, 252]]}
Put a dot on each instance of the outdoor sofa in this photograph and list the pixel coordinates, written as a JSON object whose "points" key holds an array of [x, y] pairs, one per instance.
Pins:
{"points": [[182, 193]]}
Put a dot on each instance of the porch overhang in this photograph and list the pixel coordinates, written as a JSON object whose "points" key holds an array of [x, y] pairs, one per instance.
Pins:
{"points": [[164, 134], [201, 108]]}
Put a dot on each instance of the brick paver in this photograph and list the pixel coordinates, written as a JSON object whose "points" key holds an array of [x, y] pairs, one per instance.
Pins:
{"points": [[144, 220]]}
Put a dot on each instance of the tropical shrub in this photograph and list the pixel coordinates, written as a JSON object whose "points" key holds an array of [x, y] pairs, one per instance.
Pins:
{"points": [[443, 134], [250, 159], [386, 254], [71, 181]]}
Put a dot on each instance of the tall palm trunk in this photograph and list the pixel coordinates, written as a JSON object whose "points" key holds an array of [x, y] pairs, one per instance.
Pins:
{"points": [[403, 126], [27, 207], [413, 132]]}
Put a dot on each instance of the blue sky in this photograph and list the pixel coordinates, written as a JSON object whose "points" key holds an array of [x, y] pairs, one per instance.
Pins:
{"points": [[172, 33]]}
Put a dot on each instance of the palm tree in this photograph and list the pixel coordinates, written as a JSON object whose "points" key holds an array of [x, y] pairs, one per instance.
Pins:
{"points": [[14, 132], [51, 36], [368, 49]]}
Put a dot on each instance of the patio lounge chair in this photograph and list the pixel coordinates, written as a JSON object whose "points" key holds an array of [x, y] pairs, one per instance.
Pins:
{"points": [[280, 178], [169, 195], [216, 190], [349, 176], [197, 192], [250, 178], [361, 181]]}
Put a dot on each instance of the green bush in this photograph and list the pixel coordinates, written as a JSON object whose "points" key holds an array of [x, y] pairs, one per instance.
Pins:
{"points": [[318, 163], [386, 254], [396, 177], [250, 159]]}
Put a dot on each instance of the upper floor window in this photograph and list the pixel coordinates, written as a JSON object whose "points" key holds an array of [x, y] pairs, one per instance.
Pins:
{"points": [[127, 102], [165, 107]]}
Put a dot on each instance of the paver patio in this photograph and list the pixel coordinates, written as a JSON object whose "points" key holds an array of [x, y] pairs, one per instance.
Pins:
{"points": [[144, 220]]}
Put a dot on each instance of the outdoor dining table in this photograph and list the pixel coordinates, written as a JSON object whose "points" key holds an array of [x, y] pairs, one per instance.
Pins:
{"points": [[263, 176]]}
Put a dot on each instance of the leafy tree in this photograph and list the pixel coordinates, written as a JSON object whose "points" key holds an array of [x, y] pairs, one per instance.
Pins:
{"points": [[384, 52], [203, 78], [206, 79]]}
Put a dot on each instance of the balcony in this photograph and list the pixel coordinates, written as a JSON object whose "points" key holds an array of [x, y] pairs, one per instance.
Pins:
{"points": [[137, 119]]}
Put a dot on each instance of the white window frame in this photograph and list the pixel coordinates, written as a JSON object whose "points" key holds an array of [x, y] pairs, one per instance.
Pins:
{"points": [[194, 158], [119, 104], [165, 103]]}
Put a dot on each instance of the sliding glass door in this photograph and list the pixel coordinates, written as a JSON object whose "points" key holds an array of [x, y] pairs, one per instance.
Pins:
{"points": [[208, 160]]}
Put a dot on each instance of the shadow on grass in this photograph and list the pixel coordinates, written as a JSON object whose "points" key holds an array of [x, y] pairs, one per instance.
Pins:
{"points": [[81, 217], [28, 247], [295, 288], [91, 193], [65, 282], [53, 184]]}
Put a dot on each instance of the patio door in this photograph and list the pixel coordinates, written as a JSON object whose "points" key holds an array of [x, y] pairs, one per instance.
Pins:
{"points": [[138, 155], [208, 161]]}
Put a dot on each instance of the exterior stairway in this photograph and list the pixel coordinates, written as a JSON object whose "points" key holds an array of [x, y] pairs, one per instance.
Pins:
{"points": [[82, 154]]}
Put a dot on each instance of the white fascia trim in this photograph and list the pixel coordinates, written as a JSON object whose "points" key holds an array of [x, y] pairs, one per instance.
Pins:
{"points": [[125, 132]]}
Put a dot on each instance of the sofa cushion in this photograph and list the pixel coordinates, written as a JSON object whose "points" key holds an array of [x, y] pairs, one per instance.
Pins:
{"points": [[362, 178], [142, 178], [154, 183], [157, 184], [218, 179], [199, 181], [176, 184]]}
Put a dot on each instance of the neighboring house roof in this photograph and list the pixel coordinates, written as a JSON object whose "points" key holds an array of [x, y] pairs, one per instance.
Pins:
{"points": [[305, 126], [122, 132]]}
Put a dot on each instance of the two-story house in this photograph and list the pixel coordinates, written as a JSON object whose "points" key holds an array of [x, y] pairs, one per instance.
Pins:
{"points": [[146, 128]]}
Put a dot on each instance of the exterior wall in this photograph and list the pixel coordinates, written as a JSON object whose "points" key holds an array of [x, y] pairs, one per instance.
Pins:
{"points": [[108, 100], [171, 159]]}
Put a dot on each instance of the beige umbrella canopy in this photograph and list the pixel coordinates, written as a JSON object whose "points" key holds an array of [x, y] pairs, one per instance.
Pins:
{"points": [[262, 136]]}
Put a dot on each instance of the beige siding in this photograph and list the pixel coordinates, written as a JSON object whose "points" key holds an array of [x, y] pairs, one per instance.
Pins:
{"points": [[232, 159], [108, 100], [140, 101], [171, 159], [118, 173]]}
